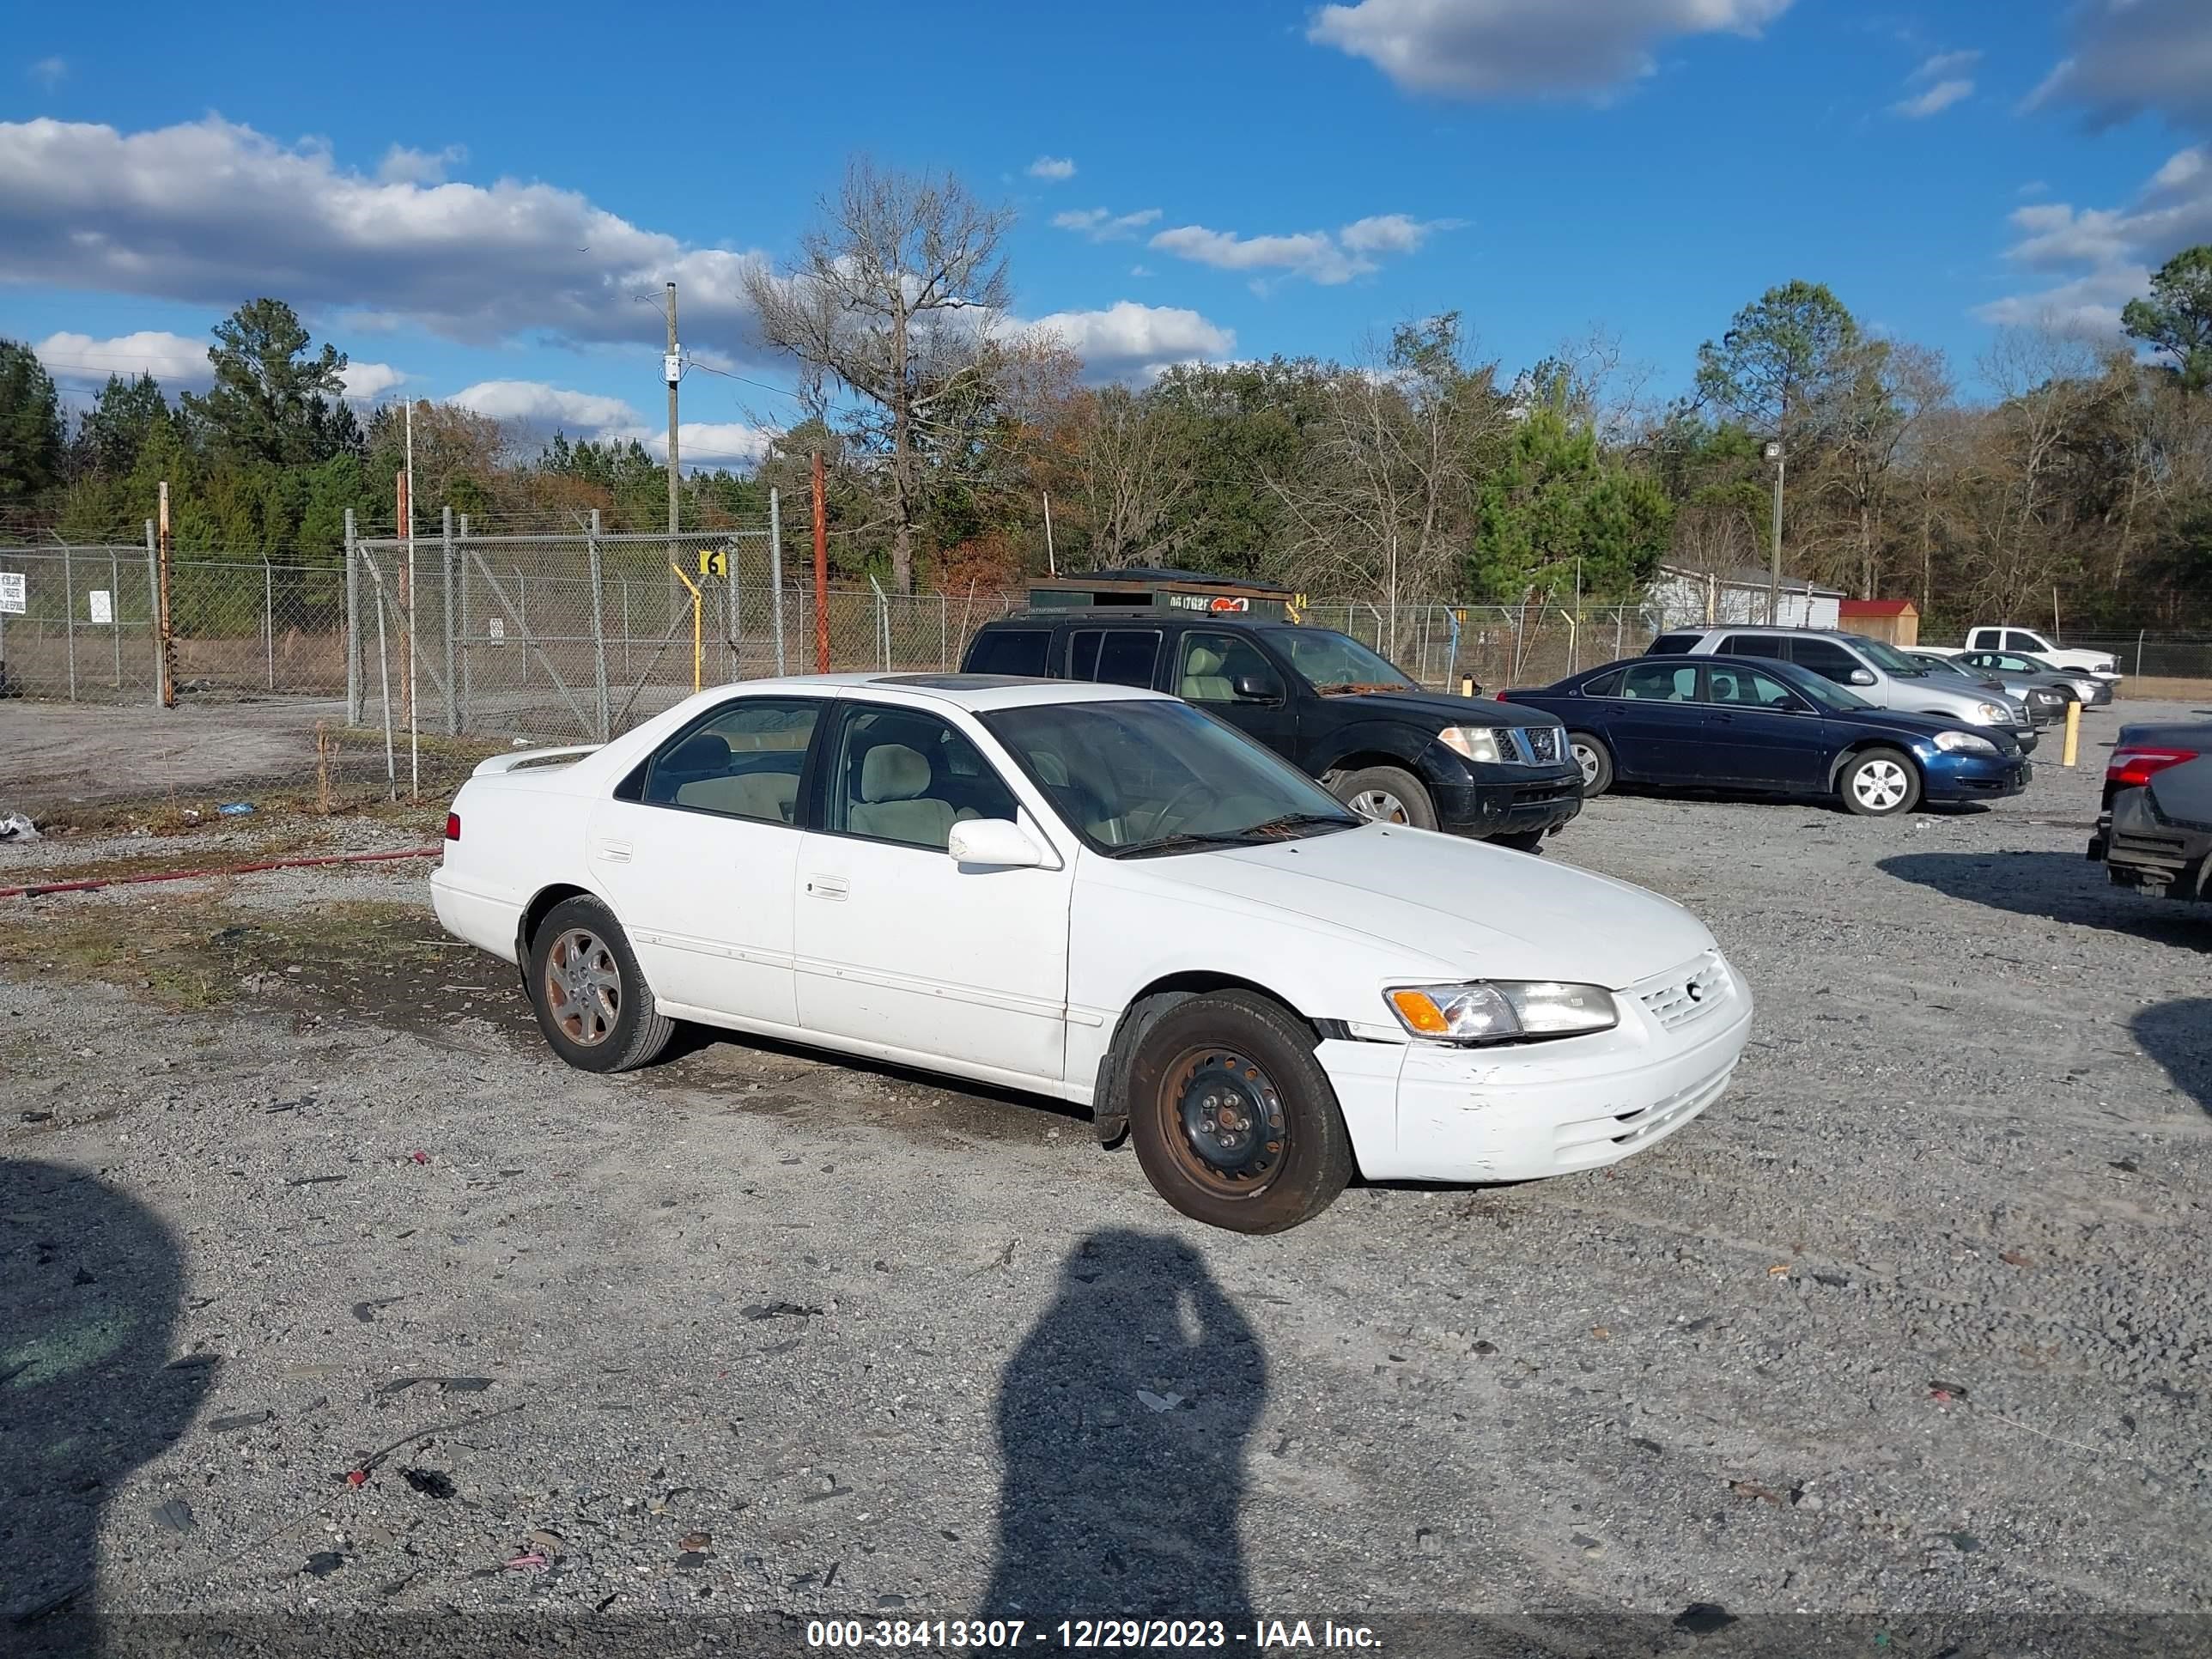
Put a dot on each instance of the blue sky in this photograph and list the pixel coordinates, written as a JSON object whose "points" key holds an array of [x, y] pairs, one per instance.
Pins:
{"points": [[467, 205]]}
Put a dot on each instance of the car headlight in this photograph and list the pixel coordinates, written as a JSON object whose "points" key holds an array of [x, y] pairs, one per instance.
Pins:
{"points": [[1476, 743], [1501, 1010], [1988, 713], [1964, 743]]}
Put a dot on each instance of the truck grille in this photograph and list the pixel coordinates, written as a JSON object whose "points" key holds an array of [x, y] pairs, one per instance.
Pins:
{"points": [[1686, 995], [1537, 745]]}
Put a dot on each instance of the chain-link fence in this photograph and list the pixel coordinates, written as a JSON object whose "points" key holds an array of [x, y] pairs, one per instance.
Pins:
{"points": [[1443, 645]]}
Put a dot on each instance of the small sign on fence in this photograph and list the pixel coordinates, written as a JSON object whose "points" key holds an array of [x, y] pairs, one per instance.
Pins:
{"points": [[13, 600], [498, 628], [102, 604]]}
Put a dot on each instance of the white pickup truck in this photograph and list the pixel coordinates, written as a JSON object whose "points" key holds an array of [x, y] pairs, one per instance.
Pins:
{"points": [[2027, 642]]}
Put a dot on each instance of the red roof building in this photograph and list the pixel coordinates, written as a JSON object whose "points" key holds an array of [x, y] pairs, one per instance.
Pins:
{"points": [[1897, 621]]}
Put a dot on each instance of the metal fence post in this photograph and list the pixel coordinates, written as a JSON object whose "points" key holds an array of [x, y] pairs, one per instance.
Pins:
{"points": [[269, 617], [943, 635], [452, 705], [115, 609], [353, 622], [1619, 627], [598, 626], [776, 572], [468, 656], [69, 623], [152, 603], [522, 617], [625, 593]]}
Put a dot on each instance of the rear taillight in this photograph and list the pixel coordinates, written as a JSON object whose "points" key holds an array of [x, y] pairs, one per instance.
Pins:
{"points": [[452, 826], [2131, 768]]}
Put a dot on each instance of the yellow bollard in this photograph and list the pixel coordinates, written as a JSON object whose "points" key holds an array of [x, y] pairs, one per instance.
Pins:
{"points": [[1467, 685], [2073, 733]]}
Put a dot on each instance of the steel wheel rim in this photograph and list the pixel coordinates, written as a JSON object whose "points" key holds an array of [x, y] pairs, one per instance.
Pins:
{"points": [[1379, 806], [1586, 758], [1227, 1126], [583, 987], [1881, 785]]}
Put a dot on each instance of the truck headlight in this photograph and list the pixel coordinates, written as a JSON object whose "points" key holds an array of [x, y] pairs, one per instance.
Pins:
{"points": [[1501, 1010], [1475, 743], [1964, 743]]}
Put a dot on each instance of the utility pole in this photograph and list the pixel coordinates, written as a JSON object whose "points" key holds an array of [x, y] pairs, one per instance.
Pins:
{"points": [[672, 369], [1774, 580], [162, 630], [1051, 563], [821, 573]]}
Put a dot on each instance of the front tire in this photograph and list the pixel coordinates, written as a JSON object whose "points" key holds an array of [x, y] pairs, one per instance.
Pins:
{"points": [[1879, 783], [1232, 1117], [592, 1001], [1386, 794], [1596, 760]]}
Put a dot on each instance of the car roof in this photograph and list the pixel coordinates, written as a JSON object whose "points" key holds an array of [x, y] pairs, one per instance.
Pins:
{"points": [[975, 692]]}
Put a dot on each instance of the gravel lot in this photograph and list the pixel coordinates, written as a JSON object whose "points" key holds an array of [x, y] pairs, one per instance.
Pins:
{"points": [[1915, 1325]]}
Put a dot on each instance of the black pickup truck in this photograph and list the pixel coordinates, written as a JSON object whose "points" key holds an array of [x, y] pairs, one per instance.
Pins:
{"points": [[1385, 746], [2156, 834]]}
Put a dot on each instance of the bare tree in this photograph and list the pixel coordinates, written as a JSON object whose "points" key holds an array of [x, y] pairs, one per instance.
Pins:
{"points": [[894, 297], [1134, 471], [1879, 410]]}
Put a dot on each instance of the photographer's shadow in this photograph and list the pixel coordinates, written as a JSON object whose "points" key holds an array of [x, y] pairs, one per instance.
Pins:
{"points": [[90, 1285], [1122, 1418]]}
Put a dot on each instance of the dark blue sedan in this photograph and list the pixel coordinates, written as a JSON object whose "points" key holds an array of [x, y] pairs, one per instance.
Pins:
{"points": [[1738, 723]]}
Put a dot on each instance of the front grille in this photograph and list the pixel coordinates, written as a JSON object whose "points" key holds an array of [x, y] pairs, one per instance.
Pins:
{"points": [[1687, 995], [1535, 745]]}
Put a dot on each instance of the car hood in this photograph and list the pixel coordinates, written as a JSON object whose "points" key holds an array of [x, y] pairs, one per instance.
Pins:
{"points": [[1921, 727], [1442, 709], [1476, 911]]}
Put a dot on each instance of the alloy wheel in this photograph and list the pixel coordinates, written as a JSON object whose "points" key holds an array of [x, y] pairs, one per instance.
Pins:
{"points": [[583, 987]]}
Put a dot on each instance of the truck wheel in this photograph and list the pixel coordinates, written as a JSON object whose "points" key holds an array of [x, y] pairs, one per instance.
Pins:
{"points": [[592, 1001], [1233, 1119], [1596, 760], [1387, 795], [1879, 783]]}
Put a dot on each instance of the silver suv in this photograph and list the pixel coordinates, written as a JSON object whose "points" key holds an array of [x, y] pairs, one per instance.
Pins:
{"points": [[1879, 672]]}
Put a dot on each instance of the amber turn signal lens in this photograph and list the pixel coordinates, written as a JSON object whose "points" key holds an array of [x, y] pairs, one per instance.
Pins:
{"points": [[1420, 1013]]}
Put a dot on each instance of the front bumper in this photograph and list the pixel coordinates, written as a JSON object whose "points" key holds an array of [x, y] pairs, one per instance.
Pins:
{"points": [[1423, 1111], [2144, 851], [2100, 691], [1508, 800], [1951, 777], [2026, 736]]}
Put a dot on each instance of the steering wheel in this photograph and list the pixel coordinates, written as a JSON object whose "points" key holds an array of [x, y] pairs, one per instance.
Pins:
{"points": [[1161, 815]]}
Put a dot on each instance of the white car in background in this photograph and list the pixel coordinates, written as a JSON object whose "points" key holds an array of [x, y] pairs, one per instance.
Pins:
{"points": [[1103, 895]]}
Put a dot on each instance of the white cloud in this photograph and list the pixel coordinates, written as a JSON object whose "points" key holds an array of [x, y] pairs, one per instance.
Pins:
{"points": [[537, 407], [179, 363], [1944, 64], [1129, 341], [212, 213], [2133, 55], [1056, 168], [402, 165], [1102, 226], [2105, 256], [1317, 255], [707, 443], [1934, 101], [1524, 48], [365, 382], [49, 72]]}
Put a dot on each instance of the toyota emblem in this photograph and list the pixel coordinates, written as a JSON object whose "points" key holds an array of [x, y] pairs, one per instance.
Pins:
{"points": [[1697, 992]]}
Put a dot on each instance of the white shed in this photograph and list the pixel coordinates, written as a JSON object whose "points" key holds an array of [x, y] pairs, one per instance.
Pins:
{"points": [[1681, 598]]}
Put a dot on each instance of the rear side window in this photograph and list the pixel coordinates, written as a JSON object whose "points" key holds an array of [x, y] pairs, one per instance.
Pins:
{"points": [[1010, 650], [1669, 645], [1659, 682], [1605, 685], [1825, 658], [1114, 656], [1755, 645], [2016, 641]]}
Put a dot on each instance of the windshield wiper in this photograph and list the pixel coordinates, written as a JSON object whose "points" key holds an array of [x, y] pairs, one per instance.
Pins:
{"points": [[1249, 836], [1339, 688]]}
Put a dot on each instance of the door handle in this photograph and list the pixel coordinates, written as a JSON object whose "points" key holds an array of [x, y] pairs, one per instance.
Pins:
{"points": [[827, 887]]}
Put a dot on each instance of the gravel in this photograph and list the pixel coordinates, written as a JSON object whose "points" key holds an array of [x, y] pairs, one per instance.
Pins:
{"points": [[1917, 1321]]}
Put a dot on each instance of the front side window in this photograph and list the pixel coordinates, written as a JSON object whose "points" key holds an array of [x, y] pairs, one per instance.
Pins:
{"points": [[743, 760], [1114, 656], [1209, 665], [1660, 682], [1149, 776], [1825, 658], [1017, 651], [900, 774], [2016, 639], [1336, 662]]}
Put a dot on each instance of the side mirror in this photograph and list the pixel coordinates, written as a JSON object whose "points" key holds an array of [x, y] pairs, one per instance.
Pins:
{"points": [[994, 843], [1862, 677], [1257, 688]]}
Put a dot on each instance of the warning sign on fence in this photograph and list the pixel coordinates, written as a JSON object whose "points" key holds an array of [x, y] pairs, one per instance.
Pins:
{"points": [[11, 593], [103, 607], [498, 626]]}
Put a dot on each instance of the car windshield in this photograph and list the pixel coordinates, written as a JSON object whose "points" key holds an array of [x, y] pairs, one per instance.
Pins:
{"points": [[1336, 662], [1824, 691], [1889, 659], [1151, 776]]}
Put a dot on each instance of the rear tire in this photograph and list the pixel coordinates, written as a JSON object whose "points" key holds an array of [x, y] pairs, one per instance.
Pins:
{"points": [[1879, 783], [1233, 1119], [1596, 760], [592, 1001], [1385, 794]]}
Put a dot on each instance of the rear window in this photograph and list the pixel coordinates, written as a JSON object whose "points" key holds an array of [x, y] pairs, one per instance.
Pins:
{"points": [[1114, 656], [1009, 651], [1755, 645], [1673, 645]]}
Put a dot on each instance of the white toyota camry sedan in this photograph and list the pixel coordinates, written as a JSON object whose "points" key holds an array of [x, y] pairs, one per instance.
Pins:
{"points": [[1103, 895]]}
